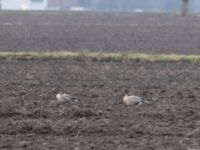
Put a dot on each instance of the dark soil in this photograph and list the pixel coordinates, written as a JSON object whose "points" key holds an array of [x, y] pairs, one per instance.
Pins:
{"points": [[32, 119], [90, 31], [30, 116]]}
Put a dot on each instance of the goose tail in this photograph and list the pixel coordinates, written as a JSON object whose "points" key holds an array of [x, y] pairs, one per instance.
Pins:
{"points": [[146, 100], [75, 99]]}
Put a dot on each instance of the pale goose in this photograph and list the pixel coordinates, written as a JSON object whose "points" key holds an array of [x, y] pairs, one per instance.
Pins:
{"points": [[133, 100], [62, 98]]}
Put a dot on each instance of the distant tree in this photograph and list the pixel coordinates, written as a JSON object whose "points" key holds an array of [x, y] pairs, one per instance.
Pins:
{"points": [[185, 7]]}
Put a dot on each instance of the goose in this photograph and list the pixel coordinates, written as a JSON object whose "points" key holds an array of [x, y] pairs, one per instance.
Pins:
{"points": [[133, 100], [63, 97]]}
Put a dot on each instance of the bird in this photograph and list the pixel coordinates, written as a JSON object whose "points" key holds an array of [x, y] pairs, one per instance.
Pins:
{"points": [[63, 97], [133, 100]]}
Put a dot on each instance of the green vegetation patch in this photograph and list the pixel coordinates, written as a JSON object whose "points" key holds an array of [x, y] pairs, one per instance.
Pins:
{"points": [[101, 56]]}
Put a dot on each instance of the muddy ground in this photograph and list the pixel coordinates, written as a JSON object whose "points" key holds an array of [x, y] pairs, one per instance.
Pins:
{"points": [[32, 119], [90, 31]]}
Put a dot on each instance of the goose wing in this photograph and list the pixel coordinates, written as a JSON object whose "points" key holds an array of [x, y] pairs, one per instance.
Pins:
{"points": [[66, 97], [135, 98]]}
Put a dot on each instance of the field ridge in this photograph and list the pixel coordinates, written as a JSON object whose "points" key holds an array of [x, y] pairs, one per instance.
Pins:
{"points": [[101, 56]]}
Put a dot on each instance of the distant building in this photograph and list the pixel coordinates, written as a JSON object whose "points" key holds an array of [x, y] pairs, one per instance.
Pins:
{"points": [[23, 4], [38, 4], [61, 4]]}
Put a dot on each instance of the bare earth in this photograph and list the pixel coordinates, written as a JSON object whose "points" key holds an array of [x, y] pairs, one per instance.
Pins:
{"points": [[30, 117], [149, 33]]}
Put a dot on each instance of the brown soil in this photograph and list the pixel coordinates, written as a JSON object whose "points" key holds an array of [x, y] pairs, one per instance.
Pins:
{"points": [[50, 31], [31, 119]]}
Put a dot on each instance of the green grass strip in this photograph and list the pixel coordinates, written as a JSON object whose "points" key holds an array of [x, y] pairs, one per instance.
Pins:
{"points": [[101, 56]]}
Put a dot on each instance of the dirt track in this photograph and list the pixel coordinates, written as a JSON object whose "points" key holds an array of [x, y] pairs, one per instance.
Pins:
{"points": [[31, 119], [149, 33]]}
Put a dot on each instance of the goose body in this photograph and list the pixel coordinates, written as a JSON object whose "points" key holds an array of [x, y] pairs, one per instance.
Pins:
{"points": [[63, 97], [132, 100]]}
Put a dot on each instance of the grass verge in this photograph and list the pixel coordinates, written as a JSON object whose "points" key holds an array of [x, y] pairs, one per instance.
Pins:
{"points": [[101, 56]]}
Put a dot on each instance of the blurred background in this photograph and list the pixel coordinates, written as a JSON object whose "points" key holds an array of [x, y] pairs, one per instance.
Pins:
{"points": [[145, 26], [102, 5]]}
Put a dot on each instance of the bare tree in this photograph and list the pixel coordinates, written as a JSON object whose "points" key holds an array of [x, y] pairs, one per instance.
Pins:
{"points": [[185, 7]]}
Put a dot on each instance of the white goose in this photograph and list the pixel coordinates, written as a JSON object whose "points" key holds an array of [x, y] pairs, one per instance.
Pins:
{"points": [[63, 97], [133, 100]]}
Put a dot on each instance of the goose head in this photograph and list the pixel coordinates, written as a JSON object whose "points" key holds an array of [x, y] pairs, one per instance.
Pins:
{"points": [[58, 95], [125, 97]]}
